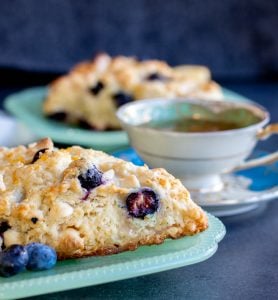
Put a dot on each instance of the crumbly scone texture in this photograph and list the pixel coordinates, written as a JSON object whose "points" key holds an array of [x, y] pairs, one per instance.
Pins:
{"points": [[92, 91], [43, 201]]}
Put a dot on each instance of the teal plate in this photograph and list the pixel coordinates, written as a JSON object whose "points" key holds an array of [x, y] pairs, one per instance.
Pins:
{"points": [[77, 273], [27, 107]]}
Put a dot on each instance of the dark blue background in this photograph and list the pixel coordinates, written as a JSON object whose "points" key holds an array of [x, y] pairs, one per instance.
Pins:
{"points": [[234, 38]]}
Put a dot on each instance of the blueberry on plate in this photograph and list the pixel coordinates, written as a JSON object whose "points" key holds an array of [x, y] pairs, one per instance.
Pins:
{"points": [[41, 257], [142, 202], [91, 178], [13, 260]]}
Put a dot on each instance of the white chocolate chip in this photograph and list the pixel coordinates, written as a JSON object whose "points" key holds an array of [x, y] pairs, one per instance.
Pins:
{"points": [[61, 210], [108, 175], [130, 181], [17, 195], [2, 184]]}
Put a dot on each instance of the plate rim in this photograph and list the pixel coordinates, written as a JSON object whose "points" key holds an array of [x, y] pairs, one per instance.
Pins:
{"points": [[202, 250]]}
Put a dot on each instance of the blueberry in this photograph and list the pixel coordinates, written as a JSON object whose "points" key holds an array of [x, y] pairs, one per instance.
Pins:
{"points": [[58, 116], [97, 88], [41, 257], [13, 260], [111, 128], [38, 154], [4, 226], [156, 76], [142, 203], [91, 178], [85, 125], [34, 220], [122, 98]]}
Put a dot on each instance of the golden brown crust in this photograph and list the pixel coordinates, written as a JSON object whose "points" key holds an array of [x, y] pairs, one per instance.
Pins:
{"points": [[156, 240]]}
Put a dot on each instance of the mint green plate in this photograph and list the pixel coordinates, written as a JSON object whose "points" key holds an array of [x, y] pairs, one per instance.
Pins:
{"points": [[27, 107], [76, 273]]}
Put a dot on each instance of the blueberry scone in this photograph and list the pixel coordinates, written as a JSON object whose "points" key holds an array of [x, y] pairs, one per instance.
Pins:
{"points": [[83, 202], [92, 91]]}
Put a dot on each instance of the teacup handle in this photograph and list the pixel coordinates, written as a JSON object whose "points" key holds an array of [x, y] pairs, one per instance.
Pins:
{"points": [[263, 134]]}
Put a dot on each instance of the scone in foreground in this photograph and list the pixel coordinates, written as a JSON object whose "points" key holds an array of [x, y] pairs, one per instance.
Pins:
{"points": [[85, 202], [92, 91]]}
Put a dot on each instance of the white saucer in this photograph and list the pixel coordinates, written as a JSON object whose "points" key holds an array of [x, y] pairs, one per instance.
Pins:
{"points": [[235, 198]]}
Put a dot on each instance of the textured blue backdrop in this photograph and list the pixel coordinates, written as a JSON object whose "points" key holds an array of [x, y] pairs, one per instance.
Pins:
{"points": [[234, 38]]}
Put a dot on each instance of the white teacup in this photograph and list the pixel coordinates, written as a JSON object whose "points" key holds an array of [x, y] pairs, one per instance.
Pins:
{"points": [[196, 158]]}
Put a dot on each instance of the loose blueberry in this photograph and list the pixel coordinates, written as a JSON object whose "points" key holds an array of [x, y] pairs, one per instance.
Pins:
{"points": [[142, 203], [122, 98], [91, 179], [58, 116], [156, 76], [97, 88], [13, 260], [38, 154], [41, 257]]}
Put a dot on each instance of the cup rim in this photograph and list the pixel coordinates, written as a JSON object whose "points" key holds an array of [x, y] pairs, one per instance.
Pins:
{"points": [[246, 104]]}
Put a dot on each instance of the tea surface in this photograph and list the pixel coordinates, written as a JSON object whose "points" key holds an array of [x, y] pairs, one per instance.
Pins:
{"points": [[193, 125]]}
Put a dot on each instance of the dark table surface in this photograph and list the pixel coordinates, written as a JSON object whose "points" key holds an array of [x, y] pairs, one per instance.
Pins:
{"points": [[246, 263]]}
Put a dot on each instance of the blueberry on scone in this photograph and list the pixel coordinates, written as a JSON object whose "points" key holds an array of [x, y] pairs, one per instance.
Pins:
{"points": [[57, 116], [91, 178], [96, 89], [122, 98], [4, 226], [142, 202], [156, 76]]}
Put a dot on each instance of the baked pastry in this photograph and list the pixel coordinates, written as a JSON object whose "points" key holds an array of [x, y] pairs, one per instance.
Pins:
{"points": [[92, 91], [84, 202]]}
